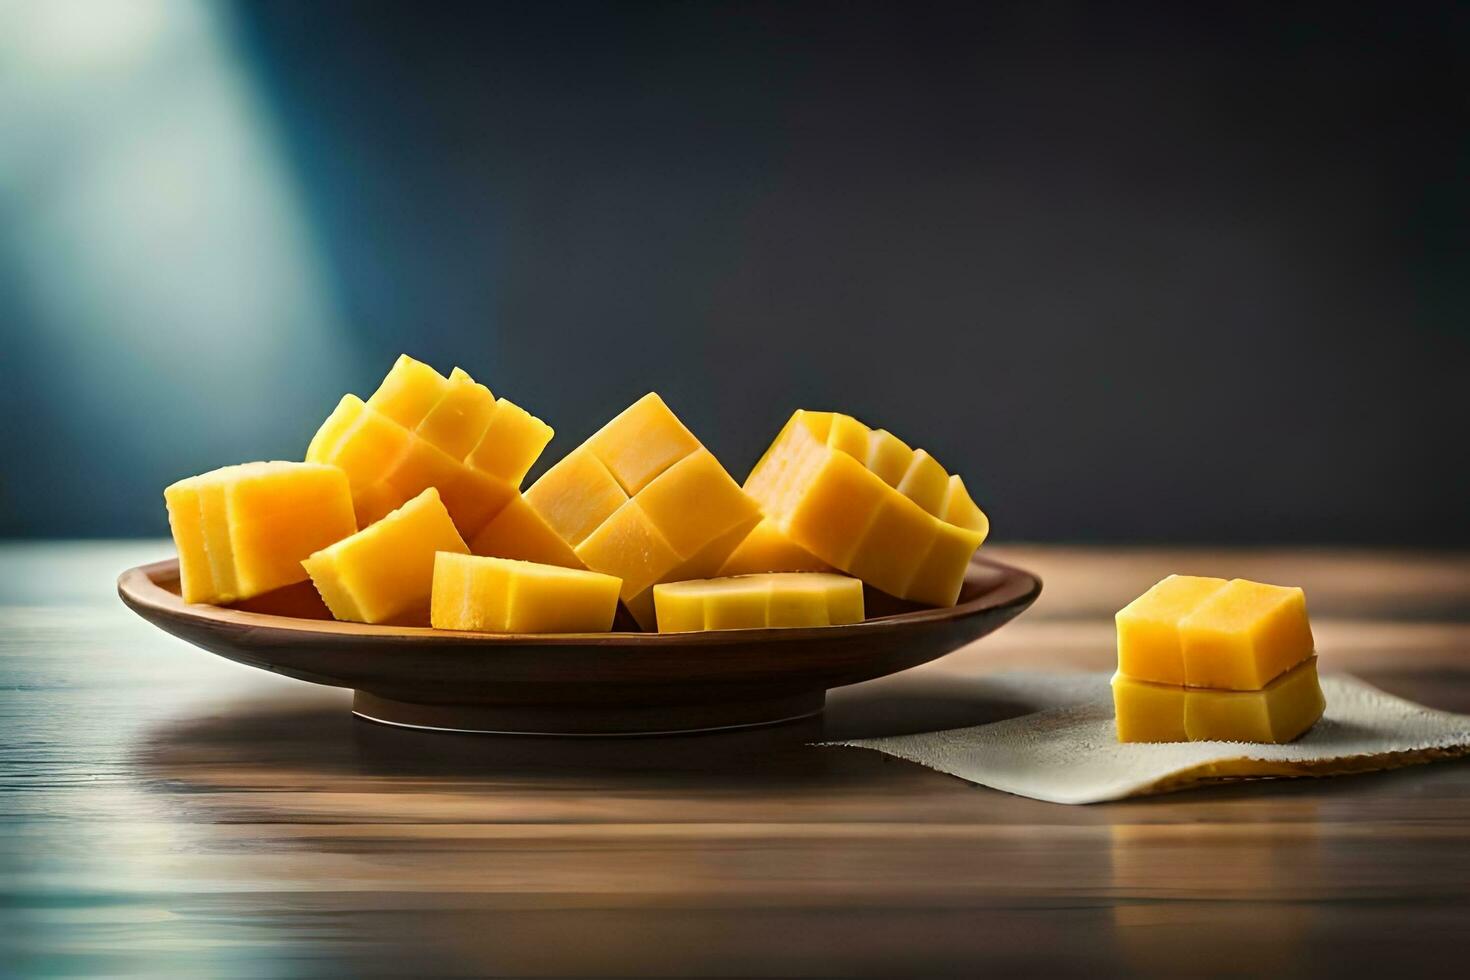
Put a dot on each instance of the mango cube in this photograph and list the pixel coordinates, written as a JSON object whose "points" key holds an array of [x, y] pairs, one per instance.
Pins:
{"points": [[576, 495], [385, 572], [960, 509], [630, 544], [408, 392], [421, 429], [642, 500], [1202, 658], [865, 503], [520, 532], [1147, 712], [457, 421], [243, 530], [692, 496], [1279, 712], [1149, 646], [510, 444], [766, 549], [1244, 635], [505, 596], [888, 456], [781, 599], [645, 439]]}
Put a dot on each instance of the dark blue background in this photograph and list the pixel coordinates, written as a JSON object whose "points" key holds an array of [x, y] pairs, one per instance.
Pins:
{"points": [[1186, 272]]}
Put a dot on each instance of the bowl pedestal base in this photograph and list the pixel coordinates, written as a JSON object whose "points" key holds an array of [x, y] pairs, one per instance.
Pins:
{"points": [[588, 719]]}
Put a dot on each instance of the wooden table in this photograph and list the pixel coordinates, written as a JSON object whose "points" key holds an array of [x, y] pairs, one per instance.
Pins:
{"points": [[166, 813]]}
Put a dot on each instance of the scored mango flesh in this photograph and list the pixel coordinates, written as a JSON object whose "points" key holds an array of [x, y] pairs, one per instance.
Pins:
{"points": [[643, 500], [421, 429], [863, 502]]}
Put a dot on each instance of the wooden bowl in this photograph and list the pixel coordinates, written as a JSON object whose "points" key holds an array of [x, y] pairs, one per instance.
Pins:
{"points": [[620, 683]]}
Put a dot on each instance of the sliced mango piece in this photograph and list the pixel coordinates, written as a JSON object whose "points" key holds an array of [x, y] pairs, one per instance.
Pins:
{"points": [[705, 564], [1279, 712], [1244, 635], [1147, 712], [641, 442], [505, 595], [519, 531], [925, 482], [629, 545], [409, 391], [1149, 647], [643, 500], [909, 530], [781, 599], [458, 420], [692, 496], [510, 444], [243, 530], [766, 549], [385, 572], [888, 456], [576, 495], [850, 436], [419, 430], [960, 509]]}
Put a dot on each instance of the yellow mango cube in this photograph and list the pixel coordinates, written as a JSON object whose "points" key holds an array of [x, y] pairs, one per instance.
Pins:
{"points": [[1149, 646], [409, 392], [888, 456], [510, 443], [420, 430], [643, 500], [364, 443], [925, 482], [1244, 635], [641, 442], [519, 531], [629, 545], [1148, 712], [839, 501], [941, 574], [766, 549], [705, 564], [1279, 712], [850, 436], [692, 496], [869, 506], [385, 572], [508, 596], [243, 530], [471, 496], [458, 420], [960, 509], [576, 495], [895, 545], [782, 599]]}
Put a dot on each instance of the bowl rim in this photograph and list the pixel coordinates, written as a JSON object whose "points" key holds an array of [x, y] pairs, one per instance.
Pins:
{"points": [[140, 590]]}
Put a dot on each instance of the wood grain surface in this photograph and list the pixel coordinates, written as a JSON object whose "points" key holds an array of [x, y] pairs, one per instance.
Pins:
{"points": [[166, 813]]}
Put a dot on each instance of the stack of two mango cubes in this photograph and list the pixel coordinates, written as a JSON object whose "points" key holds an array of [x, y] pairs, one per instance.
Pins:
{"points": [[1205, 659], [408, 509]]}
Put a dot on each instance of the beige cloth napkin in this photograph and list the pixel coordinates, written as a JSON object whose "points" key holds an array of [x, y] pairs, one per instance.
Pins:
{"points": [[1069, 752]]}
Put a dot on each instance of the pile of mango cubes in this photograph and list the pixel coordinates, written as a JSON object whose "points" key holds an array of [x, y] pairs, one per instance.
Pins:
{"points": [[1205, 659], [408, 510]]}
